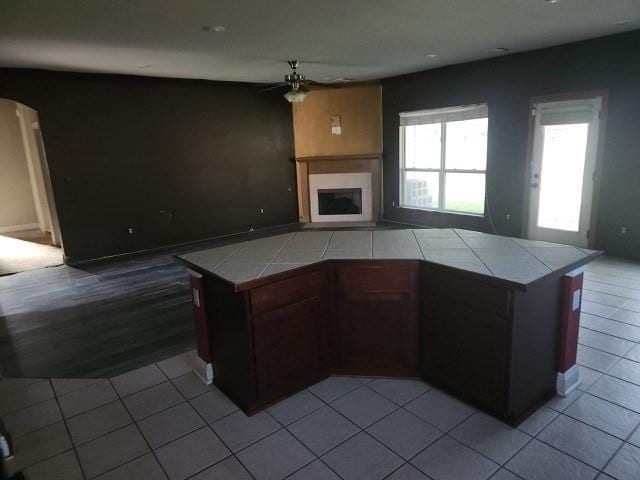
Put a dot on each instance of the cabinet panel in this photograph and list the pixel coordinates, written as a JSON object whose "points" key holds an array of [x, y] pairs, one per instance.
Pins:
{"points": [[460, 288], [290, 348], [377, 321], [290, 290], [376, 276], [465, 350]]}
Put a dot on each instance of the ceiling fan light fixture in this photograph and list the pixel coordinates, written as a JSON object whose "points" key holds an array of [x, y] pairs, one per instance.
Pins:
{"points": [[295, 96]]}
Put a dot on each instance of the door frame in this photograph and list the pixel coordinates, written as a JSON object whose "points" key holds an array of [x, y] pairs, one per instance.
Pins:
{"points": [[604, 111]]}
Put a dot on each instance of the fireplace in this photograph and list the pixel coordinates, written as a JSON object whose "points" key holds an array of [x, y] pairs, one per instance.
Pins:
{"points": [[336, 197], [340, 201]]}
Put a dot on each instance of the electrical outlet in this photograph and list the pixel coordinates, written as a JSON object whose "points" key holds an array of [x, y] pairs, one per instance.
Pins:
{"points": [[393, 204], [130, 230], [623, 230], [262, 210], [507, 217]]}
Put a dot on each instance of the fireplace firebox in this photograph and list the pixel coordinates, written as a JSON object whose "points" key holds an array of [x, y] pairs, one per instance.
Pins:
{"points": [[340, 201]]}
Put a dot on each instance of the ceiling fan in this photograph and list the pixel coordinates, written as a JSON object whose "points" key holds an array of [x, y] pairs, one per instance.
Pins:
{"points": [[298, 85]]}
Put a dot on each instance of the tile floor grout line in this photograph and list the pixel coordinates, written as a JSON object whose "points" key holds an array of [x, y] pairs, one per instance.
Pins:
{"points": [[594, 426], [614, 336], [140, 431], [608, 352], [611, 319], [598, 282], [598, 470], [42, 460], [608, 400], [66, 427], [326, 247], [209, 425], [608, 283]]}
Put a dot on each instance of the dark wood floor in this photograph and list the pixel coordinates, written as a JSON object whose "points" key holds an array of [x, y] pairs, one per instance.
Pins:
{"points": [[100, 319]]}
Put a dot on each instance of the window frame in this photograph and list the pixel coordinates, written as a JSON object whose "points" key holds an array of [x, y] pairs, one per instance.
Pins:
{"points": [[442, 171]]}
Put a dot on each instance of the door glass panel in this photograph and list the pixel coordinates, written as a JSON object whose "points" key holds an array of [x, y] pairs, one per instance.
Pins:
{"points": [[561, 177], [422, 146], [421, 189], [464, 192]]}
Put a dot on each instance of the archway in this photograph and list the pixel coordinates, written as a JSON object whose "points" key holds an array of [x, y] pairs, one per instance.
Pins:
{"points": [[29, 230]]}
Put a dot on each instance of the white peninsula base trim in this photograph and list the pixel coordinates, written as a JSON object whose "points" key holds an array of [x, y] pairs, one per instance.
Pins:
{"points": [[568, 381], [327, 181], [204, 371]]}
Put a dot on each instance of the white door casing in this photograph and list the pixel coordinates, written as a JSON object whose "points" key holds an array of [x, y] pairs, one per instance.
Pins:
{"points": [[562, 170]]}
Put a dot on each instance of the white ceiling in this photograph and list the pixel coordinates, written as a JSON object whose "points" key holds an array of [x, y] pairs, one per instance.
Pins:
{"points": [[358, 39]]}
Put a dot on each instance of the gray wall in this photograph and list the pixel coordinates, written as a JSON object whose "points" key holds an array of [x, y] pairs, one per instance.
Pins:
{"points": [[121, 149], [507, 85]]}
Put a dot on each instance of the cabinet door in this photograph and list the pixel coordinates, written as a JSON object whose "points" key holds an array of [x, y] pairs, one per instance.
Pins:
{"points": [[290, 347], [464, 350], [377, 321]]}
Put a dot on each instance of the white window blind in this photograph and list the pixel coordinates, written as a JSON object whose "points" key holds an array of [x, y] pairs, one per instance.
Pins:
{"points": [[442, 115], [570, 112]]}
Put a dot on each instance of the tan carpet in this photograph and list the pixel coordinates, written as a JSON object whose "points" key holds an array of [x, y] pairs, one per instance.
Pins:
{"points": [[19, 256]]}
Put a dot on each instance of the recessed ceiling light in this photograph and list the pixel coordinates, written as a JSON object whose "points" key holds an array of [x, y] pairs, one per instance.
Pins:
{"points": [[622, 23], [143, 65], [501, 49], [214, 28], [431, 55], [551, 1]]}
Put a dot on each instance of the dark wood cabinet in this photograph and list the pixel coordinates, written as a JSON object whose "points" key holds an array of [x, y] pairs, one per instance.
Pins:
{"points": [[465, 336], [486, 341], [377, 318], [290, 347], [289, 319], [465, 350]]}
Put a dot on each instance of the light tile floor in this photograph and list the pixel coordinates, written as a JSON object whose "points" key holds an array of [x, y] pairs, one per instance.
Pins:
{"points": [[161, 422]]}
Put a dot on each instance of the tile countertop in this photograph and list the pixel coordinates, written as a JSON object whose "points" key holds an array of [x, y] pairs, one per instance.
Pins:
{"points": [[511, 259]]}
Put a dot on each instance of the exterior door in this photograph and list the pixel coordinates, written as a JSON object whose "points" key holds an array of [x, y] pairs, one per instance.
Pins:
{"points": [[562, 173]]}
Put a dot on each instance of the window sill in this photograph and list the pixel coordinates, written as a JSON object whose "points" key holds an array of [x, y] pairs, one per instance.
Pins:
{"points": [[438, 210]]}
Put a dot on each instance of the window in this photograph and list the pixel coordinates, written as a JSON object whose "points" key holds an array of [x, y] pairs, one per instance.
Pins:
{"points": [[443, 159]]}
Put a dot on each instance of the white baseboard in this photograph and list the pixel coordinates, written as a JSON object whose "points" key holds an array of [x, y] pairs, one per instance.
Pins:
{"points": [[204, 371], [19, 228], [568, 381]]}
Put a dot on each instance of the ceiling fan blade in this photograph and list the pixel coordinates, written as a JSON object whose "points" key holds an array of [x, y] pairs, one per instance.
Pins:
{"points": [[313, 83], [273, 87]]}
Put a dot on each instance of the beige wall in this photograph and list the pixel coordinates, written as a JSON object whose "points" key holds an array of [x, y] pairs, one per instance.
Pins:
{"points": [[360, 111], [16, 198]]}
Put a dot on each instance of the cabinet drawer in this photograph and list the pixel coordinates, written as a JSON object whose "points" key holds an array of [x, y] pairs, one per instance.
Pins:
{"points": [[286, 292], [377, 277], [463, 290]]}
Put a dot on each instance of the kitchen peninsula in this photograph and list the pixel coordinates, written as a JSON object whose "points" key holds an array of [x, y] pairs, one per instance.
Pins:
{"points": [[481, 316]]}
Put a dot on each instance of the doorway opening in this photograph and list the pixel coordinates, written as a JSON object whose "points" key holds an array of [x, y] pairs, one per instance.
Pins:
{"points": [[29, 231], [561, 180]]}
